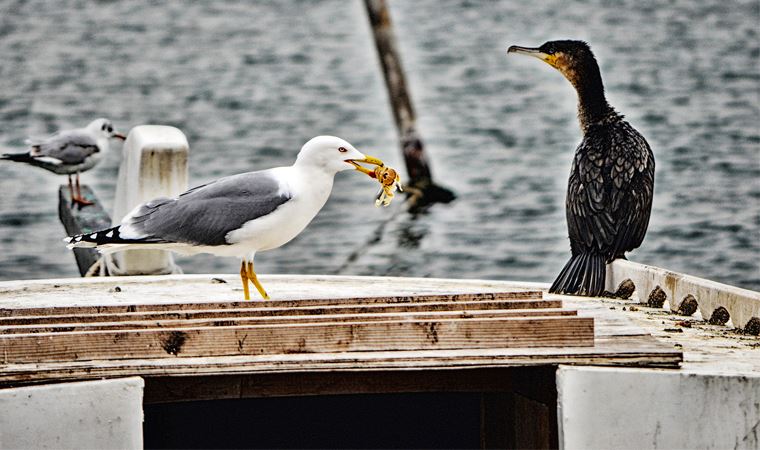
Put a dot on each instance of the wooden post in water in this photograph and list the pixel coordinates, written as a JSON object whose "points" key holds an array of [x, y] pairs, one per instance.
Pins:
{"points": [[154, 164], [420, 176]]}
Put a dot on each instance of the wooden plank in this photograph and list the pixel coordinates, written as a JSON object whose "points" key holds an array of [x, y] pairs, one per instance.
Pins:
{"points": [[78, 220], [308, 338], [630, 351], [265, 311], [150, 323], [129, 308]]}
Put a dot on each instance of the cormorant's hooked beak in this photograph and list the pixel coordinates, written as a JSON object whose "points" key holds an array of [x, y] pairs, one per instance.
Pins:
{"points": [[368, 160], [120, 136], [534, 52]]}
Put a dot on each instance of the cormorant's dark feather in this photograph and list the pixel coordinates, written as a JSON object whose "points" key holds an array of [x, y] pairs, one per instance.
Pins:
{"points": [[613, 217]]}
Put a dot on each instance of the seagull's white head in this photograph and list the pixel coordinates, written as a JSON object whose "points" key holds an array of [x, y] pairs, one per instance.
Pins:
{"points": [[334, 155], [103, 128]]}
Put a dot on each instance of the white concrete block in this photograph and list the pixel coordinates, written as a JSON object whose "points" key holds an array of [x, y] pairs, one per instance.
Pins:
{"points": [[622, 408], [99, 414], [154, 164]]}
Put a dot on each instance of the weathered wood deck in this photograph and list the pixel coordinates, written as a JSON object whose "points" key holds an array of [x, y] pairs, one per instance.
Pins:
{"points": [[206, 309]]}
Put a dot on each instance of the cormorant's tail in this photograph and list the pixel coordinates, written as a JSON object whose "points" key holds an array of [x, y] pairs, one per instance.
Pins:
{"points": [[18, 157], [584, 274]]}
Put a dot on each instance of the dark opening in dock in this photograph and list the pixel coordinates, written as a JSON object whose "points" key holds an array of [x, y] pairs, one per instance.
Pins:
{"points": [[419, 420]]}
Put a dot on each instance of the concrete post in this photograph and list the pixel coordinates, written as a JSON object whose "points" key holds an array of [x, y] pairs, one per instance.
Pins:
{"points": [[622, 408], [154, 164], [99, 414]]}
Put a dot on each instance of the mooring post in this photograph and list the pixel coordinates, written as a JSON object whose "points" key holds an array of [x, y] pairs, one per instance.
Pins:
{"points": [[82, 220], [417, 166], [154, 164]]}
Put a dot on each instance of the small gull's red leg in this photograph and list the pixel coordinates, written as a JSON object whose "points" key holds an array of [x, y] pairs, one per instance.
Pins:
{"points": [[79, 199]]}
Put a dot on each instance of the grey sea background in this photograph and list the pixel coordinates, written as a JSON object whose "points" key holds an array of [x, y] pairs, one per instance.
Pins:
{"points": [[250, 82]]}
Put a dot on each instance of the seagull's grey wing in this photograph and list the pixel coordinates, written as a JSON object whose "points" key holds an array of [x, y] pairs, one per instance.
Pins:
{"points": [[204, 215], [71, 147]]}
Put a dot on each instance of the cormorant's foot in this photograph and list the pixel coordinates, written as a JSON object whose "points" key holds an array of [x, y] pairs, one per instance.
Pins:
{"points": [[608, 294]]}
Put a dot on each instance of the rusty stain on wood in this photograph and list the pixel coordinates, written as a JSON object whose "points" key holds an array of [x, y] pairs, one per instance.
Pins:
{"points": [[173, 341]]}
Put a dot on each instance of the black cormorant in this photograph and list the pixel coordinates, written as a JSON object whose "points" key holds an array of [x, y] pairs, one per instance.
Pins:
{"points": [[609, 195]]}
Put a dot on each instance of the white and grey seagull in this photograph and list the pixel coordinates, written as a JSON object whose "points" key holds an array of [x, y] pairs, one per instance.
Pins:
{"points": [[69, 152], [238, 215]]}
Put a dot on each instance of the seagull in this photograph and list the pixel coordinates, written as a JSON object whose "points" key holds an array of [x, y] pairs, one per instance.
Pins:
{"points": [[238, 215], [69, 152]]}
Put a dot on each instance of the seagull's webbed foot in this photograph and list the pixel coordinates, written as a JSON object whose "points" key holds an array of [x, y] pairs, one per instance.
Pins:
{"points": [[255, 281]]}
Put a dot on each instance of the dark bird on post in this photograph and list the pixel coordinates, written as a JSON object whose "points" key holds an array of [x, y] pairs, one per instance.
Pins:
{"points": [[609, 195]]}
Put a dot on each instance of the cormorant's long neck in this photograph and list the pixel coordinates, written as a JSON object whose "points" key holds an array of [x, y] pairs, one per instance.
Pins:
{"points": [[592, 105]]}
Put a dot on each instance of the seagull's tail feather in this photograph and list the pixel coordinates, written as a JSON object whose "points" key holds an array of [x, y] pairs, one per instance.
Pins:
{"points": [[103, 237], [584, 274], [18, 157]]}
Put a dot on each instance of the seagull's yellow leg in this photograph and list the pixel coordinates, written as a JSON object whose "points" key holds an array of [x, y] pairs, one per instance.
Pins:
{"points": [[244, 277], [255, 281]]}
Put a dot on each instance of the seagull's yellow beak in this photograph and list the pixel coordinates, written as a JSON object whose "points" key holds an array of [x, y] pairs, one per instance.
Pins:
{"points": [[368, 160]]}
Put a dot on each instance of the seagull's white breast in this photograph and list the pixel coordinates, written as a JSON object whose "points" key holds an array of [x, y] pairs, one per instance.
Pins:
{"points": [[309, 192]]}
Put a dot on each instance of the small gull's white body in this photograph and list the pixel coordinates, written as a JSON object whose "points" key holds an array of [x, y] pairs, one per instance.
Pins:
{"points": [[69, 152]]}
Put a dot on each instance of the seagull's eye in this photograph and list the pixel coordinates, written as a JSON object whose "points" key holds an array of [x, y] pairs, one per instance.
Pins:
{"points": [[110, 129], [342, 149]]}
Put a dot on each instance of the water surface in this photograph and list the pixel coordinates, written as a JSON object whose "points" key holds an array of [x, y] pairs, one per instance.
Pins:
{"points": [[249, 83]]}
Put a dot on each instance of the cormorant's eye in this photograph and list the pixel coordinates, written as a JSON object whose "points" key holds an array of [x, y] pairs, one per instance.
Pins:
{"points": [[342, 149]]}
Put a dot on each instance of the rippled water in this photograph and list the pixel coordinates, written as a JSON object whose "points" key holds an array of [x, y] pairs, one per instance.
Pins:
{"points": [[249, 83]]}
